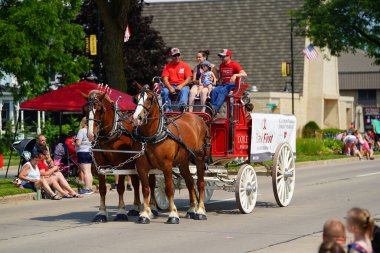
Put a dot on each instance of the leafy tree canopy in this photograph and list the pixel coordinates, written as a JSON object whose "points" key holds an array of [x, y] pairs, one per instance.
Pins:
{"points": [[38, 38], [341, 25]]}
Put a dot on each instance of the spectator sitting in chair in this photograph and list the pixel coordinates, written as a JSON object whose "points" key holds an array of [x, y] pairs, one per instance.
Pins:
{"points": [[230, 74], [31, 177], [53, 176]]}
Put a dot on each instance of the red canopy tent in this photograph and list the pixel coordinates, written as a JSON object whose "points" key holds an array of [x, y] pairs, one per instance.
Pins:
{"points": [[69, 99]]}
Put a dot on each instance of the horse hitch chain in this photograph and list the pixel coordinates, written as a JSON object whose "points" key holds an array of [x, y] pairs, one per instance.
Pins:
{"points": [[105, 169]]}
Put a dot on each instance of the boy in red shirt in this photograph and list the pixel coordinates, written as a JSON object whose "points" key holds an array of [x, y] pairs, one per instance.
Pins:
{"points": [[176, 76]]}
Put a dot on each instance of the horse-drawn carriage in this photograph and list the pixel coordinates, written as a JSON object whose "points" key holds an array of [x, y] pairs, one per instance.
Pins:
{"points": [[237, 137]]}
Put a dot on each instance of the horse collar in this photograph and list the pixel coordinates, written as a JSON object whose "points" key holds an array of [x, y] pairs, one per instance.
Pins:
{"points": [[159, 136]]}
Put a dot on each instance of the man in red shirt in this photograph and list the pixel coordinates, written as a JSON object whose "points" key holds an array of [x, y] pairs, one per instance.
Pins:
{"points": [[176, 75], [230, 74]]}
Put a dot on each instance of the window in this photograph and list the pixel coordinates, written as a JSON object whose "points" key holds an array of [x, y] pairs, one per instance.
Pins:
{"points": [[367, 97]]}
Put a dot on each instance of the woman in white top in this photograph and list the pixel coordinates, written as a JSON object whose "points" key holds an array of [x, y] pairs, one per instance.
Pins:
{"points": [[83, 148], [31, 177]]}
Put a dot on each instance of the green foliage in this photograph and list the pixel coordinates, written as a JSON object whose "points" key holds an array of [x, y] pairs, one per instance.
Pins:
{"points": [[310, 129], [308, 146], [6, 139], [333, 145], [331, 132], [341, 25], [37, 40], [51, 131], [7, 188]]}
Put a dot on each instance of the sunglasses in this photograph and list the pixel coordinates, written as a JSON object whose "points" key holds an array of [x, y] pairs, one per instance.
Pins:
{"points": [[222, 57], [176, 55]]}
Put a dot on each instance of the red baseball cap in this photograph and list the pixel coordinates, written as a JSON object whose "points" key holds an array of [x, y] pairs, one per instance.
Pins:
{"points": [[225, 52]]}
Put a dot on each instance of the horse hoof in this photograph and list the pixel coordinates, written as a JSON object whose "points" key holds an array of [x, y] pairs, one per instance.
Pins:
{"points": [[121, 217], [100, 218], [190, 215], [155, 213], [173, 220], [200, 217], [143, 220], [133, 213]]}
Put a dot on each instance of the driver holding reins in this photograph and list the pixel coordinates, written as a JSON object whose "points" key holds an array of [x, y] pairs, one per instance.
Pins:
{"points": [[176, 76]]}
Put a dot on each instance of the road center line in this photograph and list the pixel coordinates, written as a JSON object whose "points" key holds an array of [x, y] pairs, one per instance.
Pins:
{"points": [[370, 174]]}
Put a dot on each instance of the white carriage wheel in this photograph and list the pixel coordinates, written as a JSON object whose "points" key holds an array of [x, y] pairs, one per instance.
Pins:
{"points": [[246, 188], [208, 192], [283, 174], [160, 195]]}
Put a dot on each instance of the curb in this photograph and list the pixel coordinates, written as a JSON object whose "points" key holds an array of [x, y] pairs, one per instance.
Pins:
{"points": [[33, 195]]}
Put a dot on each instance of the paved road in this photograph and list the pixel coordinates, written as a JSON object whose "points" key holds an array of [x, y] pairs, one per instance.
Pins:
{"points": [[322, 192]]}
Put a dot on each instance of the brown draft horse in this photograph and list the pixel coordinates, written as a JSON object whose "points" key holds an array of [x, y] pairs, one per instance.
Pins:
{"points": [[171, 142], [111, 132]]}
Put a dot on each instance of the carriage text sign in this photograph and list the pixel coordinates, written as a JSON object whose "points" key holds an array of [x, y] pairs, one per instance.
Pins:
{"points": [[268, 131]]}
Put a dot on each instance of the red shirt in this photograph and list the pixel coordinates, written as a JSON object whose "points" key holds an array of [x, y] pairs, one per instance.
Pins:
{"points": [[177, 72], [228, 70], [42, 166]]}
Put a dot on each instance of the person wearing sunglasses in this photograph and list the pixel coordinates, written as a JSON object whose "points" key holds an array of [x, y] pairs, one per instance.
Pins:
{"points": [[176, 76], [230, 74]]}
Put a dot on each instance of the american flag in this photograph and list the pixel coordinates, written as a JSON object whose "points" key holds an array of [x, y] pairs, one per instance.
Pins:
{"points": [[310, 52], [127, 34]]}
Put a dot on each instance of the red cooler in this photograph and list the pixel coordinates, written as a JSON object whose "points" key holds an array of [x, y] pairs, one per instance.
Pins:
{"points": [[1, 161]]}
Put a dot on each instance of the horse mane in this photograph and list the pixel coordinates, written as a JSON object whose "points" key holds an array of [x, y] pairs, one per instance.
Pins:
{"points": [[100, 93]]}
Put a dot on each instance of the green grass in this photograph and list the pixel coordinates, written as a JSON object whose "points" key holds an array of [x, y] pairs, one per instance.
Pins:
{"points": [[14, 161], [7, 188]]}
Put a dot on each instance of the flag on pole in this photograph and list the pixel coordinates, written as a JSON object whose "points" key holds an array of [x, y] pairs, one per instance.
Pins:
{"points": [[310, 52], [127, 34]]}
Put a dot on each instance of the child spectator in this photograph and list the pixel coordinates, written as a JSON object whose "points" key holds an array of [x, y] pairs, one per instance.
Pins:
{"points": [[334, 230], [330, 246], [361, 225], [207, 80], [367, 148]]}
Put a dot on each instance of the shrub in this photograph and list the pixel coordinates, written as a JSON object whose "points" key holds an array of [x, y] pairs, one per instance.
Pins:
{"points": [[310, 129], [331, 132], [333, 145]]}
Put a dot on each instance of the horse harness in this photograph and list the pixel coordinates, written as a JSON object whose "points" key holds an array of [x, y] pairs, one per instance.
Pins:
{"points": [[164, 132]]}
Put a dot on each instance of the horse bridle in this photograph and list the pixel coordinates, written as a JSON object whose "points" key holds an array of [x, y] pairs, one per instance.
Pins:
{"points": [[146, 109], [92, 103]]}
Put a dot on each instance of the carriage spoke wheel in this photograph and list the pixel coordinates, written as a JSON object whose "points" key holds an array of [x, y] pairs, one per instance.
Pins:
{"points": [[283, 174], [246, 188], [208, 191], [160, 195]]}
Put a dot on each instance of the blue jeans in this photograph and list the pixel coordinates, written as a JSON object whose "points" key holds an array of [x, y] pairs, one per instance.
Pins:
{"points": [[183, 97], [219, 94]]}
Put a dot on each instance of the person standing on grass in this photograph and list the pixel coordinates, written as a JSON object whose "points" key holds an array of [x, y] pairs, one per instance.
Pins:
{"points": [[83, 148]]}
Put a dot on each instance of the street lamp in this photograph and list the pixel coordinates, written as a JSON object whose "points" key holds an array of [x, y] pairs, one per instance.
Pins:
{"points": [[292, 62], [90, 76]]}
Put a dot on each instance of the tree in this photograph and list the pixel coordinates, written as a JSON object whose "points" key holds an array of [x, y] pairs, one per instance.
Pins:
{"points": [[341, 25], [145, 54], [39, 39], [141, 58]]}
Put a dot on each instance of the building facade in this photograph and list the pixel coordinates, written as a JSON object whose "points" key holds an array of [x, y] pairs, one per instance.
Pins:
{"points": [[259, 35]]}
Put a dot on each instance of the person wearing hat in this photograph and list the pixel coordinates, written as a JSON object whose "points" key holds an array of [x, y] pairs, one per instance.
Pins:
{"points": [[230, 74], [176, 75], [206, 82]]}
